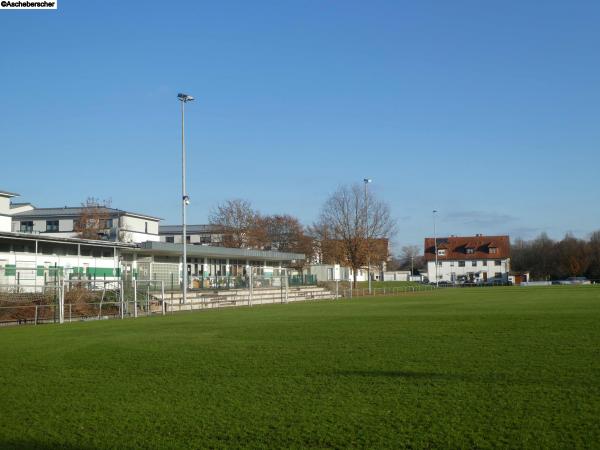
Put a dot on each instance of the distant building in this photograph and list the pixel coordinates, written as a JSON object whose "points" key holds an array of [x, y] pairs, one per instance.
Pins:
{"points": [[195, 234], [5, 210], [472, 259], [397, 275], [117, 225]]}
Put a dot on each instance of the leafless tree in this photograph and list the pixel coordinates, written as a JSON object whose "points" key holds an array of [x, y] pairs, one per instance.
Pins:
{"points": [[239, 222], [350, 230], [411, 256], [92, 223]]}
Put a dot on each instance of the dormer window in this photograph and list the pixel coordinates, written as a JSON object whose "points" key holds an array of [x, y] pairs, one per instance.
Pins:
{"points": [[441, 252], [493, 250], [470, 251]]}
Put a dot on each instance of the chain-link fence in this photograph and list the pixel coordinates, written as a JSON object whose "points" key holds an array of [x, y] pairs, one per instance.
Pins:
{"points": [[29, 304], [79, 300]]}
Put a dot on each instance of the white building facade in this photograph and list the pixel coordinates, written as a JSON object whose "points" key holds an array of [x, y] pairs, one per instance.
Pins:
{"points": [[195, 234], [468, 259], [117, 225]]}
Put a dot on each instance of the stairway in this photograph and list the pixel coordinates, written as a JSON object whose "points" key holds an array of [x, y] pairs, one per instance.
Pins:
{"points": [[241, 297]]}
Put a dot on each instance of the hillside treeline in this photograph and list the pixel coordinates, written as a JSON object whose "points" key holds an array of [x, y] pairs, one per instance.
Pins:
{"points": [[547, 259]]}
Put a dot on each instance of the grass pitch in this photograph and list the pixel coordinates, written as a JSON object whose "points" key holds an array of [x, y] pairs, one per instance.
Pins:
{"points": [[458, 368]]}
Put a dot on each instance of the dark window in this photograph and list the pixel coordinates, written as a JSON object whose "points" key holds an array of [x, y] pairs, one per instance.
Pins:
{"points": [[485, 263], [474, 263], [27, 226], [461, 264], [145, 227], [51, 225], [187, 239], [497, 262], [170, 239], [498, 275]]}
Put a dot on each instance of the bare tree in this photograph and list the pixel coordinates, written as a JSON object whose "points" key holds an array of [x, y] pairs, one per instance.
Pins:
{"points": [[92, 222], [411, 257], [239, 222], [351, 229]]}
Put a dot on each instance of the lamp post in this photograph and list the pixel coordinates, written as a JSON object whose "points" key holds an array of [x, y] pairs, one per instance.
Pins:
{"points": [[367, 181], [435, 249], [185, 200]]}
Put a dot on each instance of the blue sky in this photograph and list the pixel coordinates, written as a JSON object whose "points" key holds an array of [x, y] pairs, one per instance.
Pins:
{"points": [[488, 112]]}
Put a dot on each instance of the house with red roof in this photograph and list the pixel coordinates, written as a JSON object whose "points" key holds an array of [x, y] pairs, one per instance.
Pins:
{"points": [[472, 259]]}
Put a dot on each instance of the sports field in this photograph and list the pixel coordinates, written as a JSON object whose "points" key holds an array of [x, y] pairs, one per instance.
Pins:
{"points": [[456, 368]]}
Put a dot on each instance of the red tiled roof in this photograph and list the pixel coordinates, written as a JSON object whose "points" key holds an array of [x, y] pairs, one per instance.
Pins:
{"points": [[456, 247]]}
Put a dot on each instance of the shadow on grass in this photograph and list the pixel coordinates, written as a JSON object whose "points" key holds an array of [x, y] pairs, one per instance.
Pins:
{"points": [[398, 374], [14, 444]]}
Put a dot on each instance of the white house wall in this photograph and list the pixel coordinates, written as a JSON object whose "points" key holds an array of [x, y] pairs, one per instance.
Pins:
{"points": [[450, 270], [4, 205], [5, 222], [135, 228]]}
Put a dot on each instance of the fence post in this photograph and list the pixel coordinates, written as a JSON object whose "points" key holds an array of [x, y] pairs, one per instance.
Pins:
{"points": [[61, 305], [286, 287], [162, 296], [70, 315], [122, 283], [36, 314], [251, 287], [337, 288], [135, 298]]}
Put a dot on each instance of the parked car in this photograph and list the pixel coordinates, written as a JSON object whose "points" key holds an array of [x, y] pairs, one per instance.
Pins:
{"points": [[578, 280]]}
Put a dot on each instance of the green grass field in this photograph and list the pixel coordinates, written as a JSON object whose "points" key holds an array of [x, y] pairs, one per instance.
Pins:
{"points": [[386, 284], [456, 368]]}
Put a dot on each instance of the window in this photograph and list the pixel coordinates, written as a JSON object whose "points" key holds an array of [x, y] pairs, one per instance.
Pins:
{"points": [[145, 227], [461, 264], [170, 239], [451, 263], [109, 223], [497, 262], [439, 263], [470, 251], [187, 239], [51, 225], [493, 250], [474, 263], [498, 275], [441, 252], [484, 262], [27, 227]]}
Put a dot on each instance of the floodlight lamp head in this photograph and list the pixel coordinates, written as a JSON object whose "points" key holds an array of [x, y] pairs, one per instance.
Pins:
{"points": [[186, 199], [185, 97], [367, 180]]}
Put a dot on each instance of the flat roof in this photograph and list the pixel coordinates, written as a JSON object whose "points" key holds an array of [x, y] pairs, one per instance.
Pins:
{"points": [[64, 240], [4, 193], [191, 229], [195, 251], [76, 211]]}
